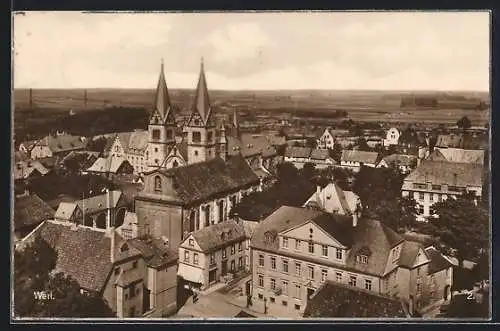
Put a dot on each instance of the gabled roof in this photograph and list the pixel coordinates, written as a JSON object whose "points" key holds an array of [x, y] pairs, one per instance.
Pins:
{"points": [[359, 156], [409, 252], [83, 253], [401, 160], [320, 154], [449, 173], [30, 210], [65, 210], [225, 176], [332, 198], [219, 235], [438, 260], [62, 143], [458, 155], [154, 251], [298, 152], [25, 169], [107, 164], [449, 140], [250, 145], [99, 202], [337, 300], [337, 226]]}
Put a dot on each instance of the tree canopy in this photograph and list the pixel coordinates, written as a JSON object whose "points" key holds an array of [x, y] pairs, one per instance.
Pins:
{"points": [[33, 272], [464, 123]]}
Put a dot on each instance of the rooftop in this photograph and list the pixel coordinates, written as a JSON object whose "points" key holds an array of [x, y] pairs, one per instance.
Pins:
{"points": [[458, 155], [446, 173], [30, 210], [219, 235], [359, 156], [155, 251]]}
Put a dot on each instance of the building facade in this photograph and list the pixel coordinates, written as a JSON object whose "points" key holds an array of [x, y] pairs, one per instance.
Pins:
{"points": [[326, 141], [392, 137], [354, 160]]}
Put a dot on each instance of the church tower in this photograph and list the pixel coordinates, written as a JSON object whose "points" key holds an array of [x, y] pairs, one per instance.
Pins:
{"points": [[223, 142], [235, 129], [200, 128], [162, 126]]}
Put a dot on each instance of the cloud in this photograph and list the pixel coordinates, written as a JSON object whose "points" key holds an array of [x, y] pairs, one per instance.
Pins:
{"points": [[238, 41]]}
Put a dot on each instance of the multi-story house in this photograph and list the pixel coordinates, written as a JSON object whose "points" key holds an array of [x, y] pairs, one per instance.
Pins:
{"points": [[212, 253], [404, 163], [302, 155], [295, 250], [59, 144], [457, 155], [353, 159], [326, 141], [392, 137], [435, 181]]}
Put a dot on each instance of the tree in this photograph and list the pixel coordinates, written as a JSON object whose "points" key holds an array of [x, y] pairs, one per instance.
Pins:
{"points": [[336, 152], [33, 268], [308, 171], [464, 123], [363, 145], [461, 225], [311, 142]]}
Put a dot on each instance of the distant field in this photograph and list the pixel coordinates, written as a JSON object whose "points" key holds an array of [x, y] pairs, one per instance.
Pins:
{"points": [[360, 105]]}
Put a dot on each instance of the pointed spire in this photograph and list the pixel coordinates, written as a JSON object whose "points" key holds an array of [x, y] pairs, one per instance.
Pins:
{"points": [[236, 124], [162, 99], [222, 137], [202, 101]]}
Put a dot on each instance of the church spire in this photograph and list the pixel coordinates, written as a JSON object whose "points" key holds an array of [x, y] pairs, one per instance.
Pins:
{"points": [[162, 99], [202, 102], [236, 124]]}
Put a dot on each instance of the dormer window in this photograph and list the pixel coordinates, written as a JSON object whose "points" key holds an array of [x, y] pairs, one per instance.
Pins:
{"points": [[157, 183], [362, 259], [191, 242]]}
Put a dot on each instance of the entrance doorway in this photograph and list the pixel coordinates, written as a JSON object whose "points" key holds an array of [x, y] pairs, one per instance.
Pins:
{"points": [[212, 276], [248, 288], [224, 268]]}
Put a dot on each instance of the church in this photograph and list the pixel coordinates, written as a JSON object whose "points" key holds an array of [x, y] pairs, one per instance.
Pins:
{"points": [[185, 194]]}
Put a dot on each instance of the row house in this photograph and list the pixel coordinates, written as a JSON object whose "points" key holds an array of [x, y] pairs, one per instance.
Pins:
{"points": [[59, 144], [136, 278], [353, 159], [435, 181], [302, 155], [212, 254], [295, 250]]}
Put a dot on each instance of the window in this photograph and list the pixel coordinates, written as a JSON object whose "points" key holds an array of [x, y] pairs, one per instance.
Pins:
{"points": [[233, 249], [297, 244], [240, 247], [261, 281], [440, 197], [156, 134], [240, 262], [284, 303], [297, 269], [285, 265], [297, 307], [297, 291], [284, 287], [169, 134], [273, 300], [368, 284], [196, 137], [132, 291], [285, 242], [261, 260], [339, 254], [431, 197], [186, 256], [224, 253], [157, 184], [156, 149], [436, 187], [117, 271], [310, 247], [134, 264], [310, 272], [195, 153], [338, 277], [324, 249], [212, 258], [232, 265], [209, 136], [195, 258], [191, 242], [324, 274], [420, 195], [420, 186], [352, 280], [273, 284], [419, 288], [273, 263], [362, 259]]}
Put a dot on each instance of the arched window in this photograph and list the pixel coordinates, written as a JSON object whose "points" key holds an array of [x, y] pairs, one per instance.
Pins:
{"points": [[157, 184], [175, 164]]}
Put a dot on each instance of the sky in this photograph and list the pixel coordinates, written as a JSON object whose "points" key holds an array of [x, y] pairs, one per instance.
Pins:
{"points": [[254, 51]]}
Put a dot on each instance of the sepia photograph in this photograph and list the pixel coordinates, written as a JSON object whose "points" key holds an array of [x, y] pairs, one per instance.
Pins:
{"points": [[250, 166]]}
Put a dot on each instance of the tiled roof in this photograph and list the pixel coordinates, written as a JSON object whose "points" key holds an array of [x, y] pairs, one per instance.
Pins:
{"points": [[138, 141], [332, 198], [338, 226], [458, 155], [401, 160], [182, 148], [336, 300], [65, 210], [62, 143], [154, 251], [107, 164], [438, 261], [24, 169], [99, 202], [298, 152], [449, 173], [319, 154], [219, 235], [89, 158], [30, 210], [449, 140], [195, 185], [409, 253], [83, 253], [359, 156], [250, 145]]}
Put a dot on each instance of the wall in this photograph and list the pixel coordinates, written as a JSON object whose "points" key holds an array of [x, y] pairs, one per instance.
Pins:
{"points": [[163, 286], [437, 283], [203, 150]]}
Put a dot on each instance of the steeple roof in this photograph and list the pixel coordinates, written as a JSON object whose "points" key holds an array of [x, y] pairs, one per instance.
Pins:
{"points": [[162, 100], [201, 102]]}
